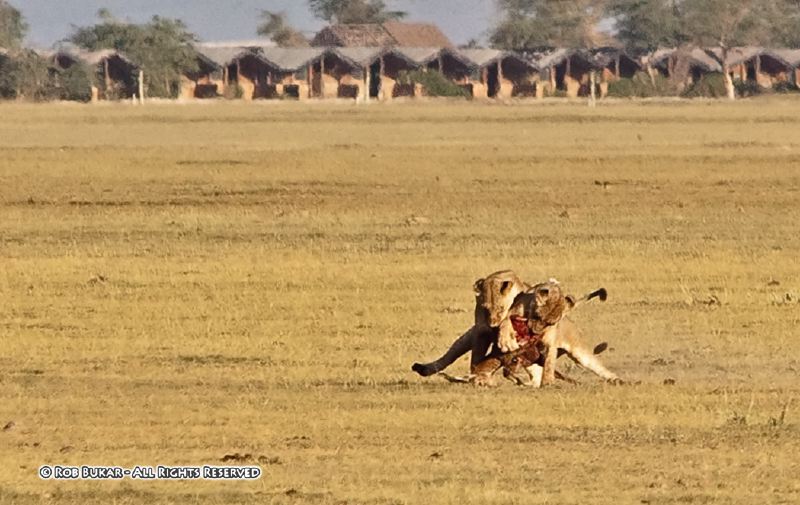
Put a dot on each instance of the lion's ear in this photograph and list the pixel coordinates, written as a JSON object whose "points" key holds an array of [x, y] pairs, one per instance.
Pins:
{"points": [[478, 286], [505, 287], [571, 302]]}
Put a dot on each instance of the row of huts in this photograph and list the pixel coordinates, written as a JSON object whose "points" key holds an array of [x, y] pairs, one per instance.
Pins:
{"points": [[377, 73], [372, 62]]}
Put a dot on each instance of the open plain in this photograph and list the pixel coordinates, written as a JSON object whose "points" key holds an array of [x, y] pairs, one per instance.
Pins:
{"points": [[234, 284]]}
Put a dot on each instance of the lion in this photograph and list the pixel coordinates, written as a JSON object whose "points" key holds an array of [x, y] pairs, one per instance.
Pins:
{"points": [[544, 308], [494, 295], [528, 333]]}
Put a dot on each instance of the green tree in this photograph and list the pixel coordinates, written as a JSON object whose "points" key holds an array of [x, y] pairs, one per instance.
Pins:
{"points": [[74, 83], [789, 24], [353, 11], [25, 75], [162, 48], [275, 26], [536, 23], [648, 24], [723, 24], [12, 26]]}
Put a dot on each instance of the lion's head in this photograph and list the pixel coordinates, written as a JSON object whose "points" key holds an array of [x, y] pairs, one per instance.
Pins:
{"points": [[547, 305], [494, 295]]}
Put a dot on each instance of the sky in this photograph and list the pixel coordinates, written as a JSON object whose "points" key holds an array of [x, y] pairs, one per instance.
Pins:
{"points": [[52, 20]]}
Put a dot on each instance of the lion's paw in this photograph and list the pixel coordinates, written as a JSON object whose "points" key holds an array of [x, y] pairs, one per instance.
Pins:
{"points": [[508, 344]]}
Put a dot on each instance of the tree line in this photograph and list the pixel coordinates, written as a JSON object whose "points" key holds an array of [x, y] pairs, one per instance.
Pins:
{"points": [[164, 47]]}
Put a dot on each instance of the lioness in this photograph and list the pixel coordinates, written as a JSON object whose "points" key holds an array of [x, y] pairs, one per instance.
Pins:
{"points": [[494, 295], [528, 333], [544, 308]]}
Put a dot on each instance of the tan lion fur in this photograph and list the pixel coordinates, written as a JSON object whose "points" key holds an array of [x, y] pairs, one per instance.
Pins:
{"points": [[545, 307]]}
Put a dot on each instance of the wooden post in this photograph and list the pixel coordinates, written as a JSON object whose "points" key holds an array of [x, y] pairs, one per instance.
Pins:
{"points": [[322, 76], [238, 74], [568, 68], [485, 76], [141, 87], [381, 74], [107, 76], [552, 79], [499, 79], [758, 67], [592, 84], [439, 61], [310, 78], [367, 79], [616, 68]]}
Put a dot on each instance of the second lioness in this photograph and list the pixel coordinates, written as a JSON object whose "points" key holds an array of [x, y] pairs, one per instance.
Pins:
{"points": [[544, 307]]}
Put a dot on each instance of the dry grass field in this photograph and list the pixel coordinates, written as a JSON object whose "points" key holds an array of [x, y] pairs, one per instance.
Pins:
{"points": [[182, 283]]}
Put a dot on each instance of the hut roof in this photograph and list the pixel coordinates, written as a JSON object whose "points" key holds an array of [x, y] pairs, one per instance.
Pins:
{"points": [[481, 57], [206, 64], [459, 57], [556, 56], [604, 56], [738, 55], [416, 34], [792, 56], [237, 43], [365, 35], [389, 34], [363, 56], [289, 59], [222, 56], [697, 58], [93, 57], [97, 57], [419, 55]]}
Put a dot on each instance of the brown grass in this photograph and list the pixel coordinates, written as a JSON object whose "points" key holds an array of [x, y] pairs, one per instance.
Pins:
{"points": [[183, 283]]}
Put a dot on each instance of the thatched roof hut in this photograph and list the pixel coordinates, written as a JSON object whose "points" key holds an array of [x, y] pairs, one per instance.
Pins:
{"points": [[566, 70], [206, 82], [382, 68], [502, 74], [455, 67], [416, 34], [792, 56], [616, 63], [761, 66], [117, 75], [365, 35], [694, 62], [269, 72]]}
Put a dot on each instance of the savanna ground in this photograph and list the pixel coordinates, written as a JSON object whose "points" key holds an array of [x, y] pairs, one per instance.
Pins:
{"points": [[182, 283]]}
